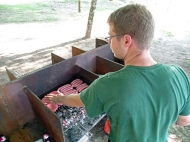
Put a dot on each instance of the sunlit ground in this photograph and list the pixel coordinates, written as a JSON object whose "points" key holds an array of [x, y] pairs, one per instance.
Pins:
{"points": [[171, 17], [173, 138]]}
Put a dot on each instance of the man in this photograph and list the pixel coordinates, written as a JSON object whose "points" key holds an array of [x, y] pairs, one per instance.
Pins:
{"points": [[143, 99]]}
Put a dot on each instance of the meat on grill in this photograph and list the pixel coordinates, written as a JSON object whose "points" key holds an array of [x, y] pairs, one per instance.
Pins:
{"points": [[82, 87], [44, 101], [76, 82], [65, 88], [76, 86], [53, 107]]}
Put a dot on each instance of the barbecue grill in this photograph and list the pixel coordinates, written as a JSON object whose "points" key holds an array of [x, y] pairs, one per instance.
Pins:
{"points": [[21, 101]]}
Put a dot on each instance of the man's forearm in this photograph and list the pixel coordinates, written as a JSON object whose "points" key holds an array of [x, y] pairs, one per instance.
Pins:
{"points": [[71, 100]]}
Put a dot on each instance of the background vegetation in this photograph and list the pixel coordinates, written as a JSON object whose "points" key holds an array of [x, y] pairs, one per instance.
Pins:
{"points": [[46, 11]]}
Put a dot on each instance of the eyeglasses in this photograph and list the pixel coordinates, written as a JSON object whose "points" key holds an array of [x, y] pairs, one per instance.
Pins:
{"points": [[110, 37]]}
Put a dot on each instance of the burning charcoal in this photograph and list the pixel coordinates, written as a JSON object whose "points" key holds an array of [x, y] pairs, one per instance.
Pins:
{"points": [[67, 120], [64, 114], [67, 113], [72, 121], [66, 107], [60, 108], [83, 116], [66, 123], [59, 114], [70, 110], [83, 110], [90, 123], [74, 113], [65, 126], [82, 121], [64, 110]]}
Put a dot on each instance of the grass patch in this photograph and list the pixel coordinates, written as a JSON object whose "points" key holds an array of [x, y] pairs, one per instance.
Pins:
{"points": [[32, 12], [50, 11], [168, 34], [188, 61]]}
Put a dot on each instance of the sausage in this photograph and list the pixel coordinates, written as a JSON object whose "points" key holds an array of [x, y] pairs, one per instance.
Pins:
{"points": [[65, 88], [76, 82], [53, 107], [82, 87]]}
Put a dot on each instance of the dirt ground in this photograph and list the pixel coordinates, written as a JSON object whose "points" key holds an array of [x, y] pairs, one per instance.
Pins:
{"points": [[28, 47]]}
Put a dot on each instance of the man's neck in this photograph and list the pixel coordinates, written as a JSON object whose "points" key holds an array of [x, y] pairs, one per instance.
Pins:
{"points": [[139, 58]]}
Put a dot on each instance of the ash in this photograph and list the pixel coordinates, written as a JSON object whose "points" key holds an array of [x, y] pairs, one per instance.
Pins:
{"points": [[76, 122]]}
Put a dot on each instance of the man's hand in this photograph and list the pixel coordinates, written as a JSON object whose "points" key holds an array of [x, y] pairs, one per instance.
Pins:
{"points": [[183, 120], [53, 98]]}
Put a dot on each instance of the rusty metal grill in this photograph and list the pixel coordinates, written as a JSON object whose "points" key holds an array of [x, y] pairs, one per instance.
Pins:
{"points": [[22, 96]]}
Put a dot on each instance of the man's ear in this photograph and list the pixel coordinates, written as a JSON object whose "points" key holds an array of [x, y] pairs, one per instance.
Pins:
{"points": [[128, 40]]}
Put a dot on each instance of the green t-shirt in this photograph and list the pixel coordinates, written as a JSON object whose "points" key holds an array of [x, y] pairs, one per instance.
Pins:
{"points": [[140, 102]]}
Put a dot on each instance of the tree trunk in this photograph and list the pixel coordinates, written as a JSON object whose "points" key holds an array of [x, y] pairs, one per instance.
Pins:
{"points": [[90, 18], [79, 6]]}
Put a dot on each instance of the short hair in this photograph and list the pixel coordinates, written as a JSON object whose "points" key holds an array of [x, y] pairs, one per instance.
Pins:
{"points": [[135, 20]]}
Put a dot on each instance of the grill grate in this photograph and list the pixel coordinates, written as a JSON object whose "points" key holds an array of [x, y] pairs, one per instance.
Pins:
{"points": [[76, 122]]}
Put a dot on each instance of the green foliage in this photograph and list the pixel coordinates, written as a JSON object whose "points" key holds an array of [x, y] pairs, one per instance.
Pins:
{"points": [[167, 34], [188, 61], [32, 12], [76, 1], [50, 10]]}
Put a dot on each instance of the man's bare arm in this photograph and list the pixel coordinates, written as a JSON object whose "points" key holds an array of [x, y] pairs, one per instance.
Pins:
{"points": [[183, 120], [69, 100]]}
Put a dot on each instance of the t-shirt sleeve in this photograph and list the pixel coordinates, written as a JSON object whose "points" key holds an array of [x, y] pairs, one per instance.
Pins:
{"points": [[186, 110], [92, 102]]}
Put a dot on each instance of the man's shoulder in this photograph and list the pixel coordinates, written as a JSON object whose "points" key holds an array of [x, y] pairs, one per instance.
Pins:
{"points": [[177, 71], [111, 75], [173, 67]]}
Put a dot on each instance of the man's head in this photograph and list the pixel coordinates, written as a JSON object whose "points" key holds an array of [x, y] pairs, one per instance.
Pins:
{"points": [[136, 21]]}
